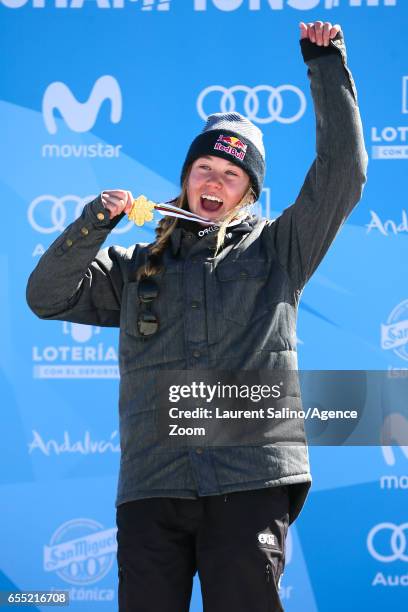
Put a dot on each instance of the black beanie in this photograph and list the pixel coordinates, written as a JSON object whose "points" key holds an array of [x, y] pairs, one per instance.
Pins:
{"points": [[233, 137]]}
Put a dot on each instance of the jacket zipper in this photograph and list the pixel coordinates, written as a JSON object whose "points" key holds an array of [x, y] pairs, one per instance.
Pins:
{"points": [[273, 604], [269, 590]]}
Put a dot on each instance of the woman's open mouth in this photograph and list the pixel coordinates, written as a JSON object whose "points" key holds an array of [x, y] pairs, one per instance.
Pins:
{"points": [[210, 203]]}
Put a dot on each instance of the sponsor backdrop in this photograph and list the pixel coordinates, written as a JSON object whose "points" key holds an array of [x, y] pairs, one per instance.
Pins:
{"points": [[108, 94]]}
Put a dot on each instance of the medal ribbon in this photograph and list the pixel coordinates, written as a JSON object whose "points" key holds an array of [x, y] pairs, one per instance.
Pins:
{"points": [[142, 211]]}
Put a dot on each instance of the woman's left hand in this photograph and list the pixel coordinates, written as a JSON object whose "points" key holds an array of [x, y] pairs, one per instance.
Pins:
{"points": [[319, 32]]}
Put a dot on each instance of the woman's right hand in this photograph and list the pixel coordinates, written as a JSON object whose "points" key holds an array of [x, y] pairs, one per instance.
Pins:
{"points": [[318, 32], [117, 201]]}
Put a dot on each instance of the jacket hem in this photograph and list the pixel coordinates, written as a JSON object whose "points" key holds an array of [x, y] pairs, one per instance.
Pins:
{"points": [[300, 482]]}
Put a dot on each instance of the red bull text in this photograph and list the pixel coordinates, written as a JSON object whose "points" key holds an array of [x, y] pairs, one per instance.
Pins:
{"points": [[231, 145]]}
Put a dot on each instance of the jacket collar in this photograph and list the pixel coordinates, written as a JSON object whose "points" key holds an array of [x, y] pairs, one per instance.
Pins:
{"points": [[233, 233]]}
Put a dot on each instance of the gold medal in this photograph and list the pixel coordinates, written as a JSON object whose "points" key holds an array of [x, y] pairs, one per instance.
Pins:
{"points": [[141, 211]]}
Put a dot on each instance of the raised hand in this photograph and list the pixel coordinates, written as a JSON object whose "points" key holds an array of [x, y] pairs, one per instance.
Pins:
{"points": [[117, 201], [318, 32]]}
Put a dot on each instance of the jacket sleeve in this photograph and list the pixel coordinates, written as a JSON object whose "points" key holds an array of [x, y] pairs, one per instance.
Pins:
{"points": [[74, 280], [334, 183]]}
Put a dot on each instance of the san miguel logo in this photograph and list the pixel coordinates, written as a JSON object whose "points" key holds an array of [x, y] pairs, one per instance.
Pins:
{"points": [[394, 333], [232, 145], [81, 551]]}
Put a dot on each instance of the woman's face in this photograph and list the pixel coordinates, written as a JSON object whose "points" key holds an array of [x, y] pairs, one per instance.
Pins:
{"points": [[222, 181]]}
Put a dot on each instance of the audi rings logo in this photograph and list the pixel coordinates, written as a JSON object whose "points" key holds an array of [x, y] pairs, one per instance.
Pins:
{"points": [[285, 104], [48, 214], [393, 547]]}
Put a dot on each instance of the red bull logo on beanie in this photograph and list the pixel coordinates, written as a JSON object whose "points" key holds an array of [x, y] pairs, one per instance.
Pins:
{"points": [[233, 141], [232, 145]]}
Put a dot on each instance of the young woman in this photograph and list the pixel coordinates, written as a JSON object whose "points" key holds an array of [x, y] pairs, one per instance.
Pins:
{"points": [[223, 297]]}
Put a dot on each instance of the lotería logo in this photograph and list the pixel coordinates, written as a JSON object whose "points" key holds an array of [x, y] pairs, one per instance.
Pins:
{"points": [[83, 357], [393, 548], [390, 142], [279, 5], [80, 552], [394, 333], [81, 116], [48, 214], [218, 98]]}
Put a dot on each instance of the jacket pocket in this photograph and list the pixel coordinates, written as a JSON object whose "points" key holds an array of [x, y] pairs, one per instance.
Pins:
{"points": [[244, 290], [166, 344], [167, 306]]}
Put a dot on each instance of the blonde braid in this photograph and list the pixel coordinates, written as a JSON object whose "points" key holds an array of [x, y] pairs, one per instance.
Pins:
{"points": [[163, 231], [247, 199]]}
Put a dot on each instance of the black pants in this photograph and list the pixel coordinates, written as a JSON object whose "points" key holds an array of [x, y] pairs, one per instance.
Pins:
{"points": [[236, 542]]}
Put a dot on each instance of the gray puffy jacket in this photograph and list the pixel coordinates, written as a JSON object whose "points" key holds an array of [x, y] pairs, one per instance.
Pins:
{"points": [[236, 311]]}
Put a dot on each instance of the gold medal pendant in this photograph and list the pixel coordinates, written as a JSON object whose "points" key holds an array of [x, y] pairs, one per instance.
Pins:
{"points": [[141, 211]]}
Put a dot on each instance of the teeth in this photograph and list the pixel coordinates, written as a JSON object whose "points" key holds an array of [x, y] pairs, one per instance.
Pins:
{"points": [[211, 197]]}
